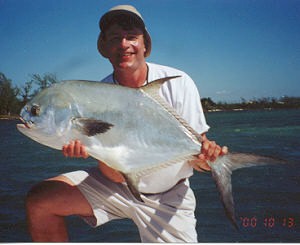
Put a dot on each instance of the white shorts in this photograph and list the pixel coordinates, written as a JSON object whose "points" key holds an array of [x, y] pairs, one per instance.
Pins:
{"points": [[164, 217]]}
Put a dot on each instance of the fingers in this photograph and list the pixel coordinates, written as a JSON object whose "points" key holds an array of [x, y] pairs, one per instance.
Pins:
{"points": [[83, 152], [65, 150], [71, 147], [224, 150], [74, 149], [200, 164], [211, 150]]}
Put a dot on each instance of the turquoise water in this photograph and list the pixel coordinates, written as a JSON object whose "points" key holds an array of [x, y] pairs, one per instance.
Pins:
{"points": [[267, 199]]}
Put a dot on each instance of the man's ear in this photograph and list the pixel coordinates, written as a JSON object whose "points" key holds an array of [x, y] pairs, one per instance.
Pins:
{"points": [[101, 45]]}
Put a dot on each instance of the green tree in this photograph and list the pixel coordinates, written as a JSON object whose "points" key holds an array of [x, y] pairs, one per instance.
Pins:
{"points": [[26, 92], [8, 96], [43, 81], [208, 104]]}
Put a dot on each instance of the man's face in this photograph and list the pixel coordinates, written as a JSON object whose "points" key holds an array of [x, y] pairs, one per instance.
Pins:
{"points": [[125, 48]]}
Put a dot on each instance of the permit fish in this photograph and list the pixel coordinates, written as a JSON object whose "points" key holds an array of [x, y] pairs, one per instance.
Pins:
{"points": [[132, 130]]}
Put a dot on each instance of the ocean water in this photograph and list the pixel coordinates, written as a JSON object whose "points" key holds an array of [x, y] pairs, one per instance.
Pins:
{"points": [[267, 198]]}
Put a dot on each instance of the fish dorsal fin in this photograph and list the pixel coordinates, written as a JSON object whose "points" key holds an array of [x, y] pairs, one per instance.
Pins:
{"points": [[153, 87], [152, 90]]}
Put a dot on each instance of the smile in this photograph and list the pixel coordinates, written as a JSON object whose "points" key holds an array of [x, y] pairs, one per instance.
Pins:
{"points": [[126, 54]]}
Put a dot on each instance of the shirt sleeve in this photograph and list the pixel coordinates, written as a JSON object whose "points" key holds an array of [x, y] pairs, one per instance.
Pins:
{"points": [[192, 110]]}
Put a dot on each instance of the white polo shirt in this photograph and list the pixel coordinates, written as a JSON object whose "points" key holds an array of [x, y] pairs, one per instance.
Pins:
{"points": [[182, 94]]}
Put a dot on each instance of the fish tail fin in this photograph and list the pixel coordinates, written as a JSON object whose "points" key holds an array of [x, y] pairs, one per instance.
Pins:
{"points": [[222, 169]]}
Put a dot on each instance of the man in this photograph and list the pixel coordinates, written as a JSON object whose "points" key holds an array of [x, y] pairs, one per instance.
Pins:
{"points": [[101, 194]]}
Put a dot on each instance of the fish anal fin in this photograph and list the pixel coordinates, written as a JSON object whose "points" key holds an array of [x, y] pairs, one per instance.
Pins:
{"points": [[132, 188], [90, 126]]}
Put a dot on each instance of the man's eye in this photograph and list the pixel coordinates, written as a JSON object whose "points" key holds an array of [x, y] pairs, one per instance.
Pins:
{"points": [[120, 38], [114, 39], [131, 37]]}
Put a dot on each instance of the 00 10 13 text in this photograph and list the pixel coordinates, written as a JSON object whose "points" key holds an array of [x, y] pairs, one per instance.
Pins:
{"points": [[268, 222]]}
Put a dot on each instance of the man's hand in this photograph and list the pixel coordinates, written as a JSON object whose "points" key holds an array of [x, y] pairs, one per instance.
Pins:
{"points": [[75, 149], [210, 151]]}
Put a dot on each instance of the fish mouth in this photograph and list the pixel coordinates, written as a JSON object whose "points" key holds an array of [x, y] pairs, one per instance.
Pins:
{"points": [[27, 124]]}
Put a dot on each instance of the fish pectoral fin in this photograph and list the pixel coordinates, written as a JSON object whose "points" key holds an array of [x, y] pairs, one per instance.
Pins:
{"points": [[90, 126]]}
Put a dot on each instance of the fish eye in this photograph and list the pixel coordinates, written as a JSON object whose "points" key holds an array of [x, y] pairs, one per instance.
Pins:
{"points": [[35, 110]]}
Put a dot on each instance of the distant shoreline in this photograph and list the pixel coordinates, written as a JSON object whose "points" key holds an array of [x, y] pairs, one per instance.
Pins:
{"points": [[16, 117], [248, 109], [9, 117]]}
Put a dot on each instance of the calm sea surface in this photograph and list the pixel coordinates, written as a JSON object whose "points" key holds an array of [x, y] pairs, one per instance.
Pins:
{"points": [[267, 199]]}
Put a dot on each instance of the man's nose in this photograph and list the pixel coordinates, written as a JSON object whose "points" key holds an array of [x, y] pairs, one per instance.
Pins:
{"points": [[124, 42]]}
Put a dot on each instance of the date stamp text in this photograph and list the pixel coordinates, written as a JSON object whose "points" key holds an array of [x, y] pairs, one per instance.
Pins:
{"points": [[268, 222]]}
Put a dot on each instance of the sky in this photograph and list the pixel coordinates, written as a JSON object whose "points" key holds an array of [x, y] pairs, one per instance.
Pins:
{"points": [[232, 49]]}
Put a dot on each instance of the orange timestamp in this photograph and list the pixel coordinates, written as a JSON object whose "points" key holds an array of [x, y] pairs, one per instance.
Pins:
{"points": [[268, 222]]}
